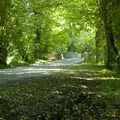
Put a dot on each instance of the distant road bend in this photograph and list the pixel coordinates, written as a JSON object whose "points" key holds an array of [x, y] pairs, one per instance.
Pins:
{"points": [[37, 71]]}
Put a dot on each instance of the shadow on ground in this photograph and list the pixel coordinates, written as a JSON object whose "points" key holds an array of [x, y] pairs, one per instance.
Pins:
{"points": [[76, 93]]}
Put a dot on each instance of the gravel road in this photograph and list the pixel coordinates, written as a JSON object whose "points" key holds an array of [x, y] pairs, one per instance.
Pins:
{"points": [[37, 71]]}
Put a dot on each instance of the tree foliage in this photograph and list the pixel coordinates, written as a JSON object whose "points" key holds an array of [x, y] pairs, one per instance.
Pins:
{"points": [[32, 29]]}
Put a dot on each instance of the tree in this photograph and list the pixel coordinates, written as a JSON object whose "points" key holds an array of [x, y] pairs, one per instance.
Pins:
{"points": [[37, 28], [4, 7], [107, 14]]}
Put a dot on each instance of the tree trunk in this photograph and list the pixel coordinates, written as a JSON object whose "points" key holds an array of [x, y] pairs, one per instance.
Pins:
{"points": [[112, 51], [4, 4]]}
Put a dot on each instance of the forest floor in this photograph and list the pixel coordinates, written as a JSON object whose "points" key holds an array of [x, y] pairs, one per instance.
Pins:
{"points": [[57, 91]]}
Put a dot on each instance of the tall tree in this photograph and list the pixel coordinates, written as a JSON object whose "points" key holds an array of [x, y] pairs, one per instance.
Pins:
{"points": [[112, 51], [4, 5]]}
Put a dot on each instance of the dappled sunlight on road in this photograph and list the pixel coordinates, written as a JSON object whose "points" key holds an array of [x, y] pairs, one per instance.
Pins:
{"points": [[37, 71]]}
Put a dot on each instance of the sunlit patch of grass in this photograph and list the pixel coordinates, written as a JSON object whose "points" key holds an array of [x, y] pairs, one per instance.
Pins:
{"points": [[104, 71], [108, 72]]}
